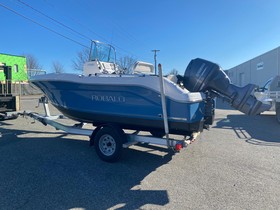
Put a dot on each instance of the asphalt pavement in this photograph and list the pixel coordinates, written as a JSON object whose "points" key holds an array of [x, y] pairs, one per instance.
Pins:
{"points": [[234, 165]]}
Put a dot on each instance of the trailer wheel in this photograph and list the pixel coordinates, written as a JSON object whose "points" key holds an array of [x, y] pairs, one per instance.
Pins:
{"points": [[108, 143], [278, 114]]}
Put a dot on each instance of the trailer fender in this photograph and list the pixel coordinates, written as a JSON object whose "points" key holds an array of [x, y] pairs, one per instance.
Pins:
{"points": [[95, 131], [110, 125]]}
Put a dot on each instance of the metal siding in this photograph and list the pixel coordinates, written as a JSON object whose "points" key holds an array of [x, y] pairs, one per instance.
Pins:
{"points": [[232, 75], [278, 60], [271, 68], [246, 71], [269, 60]]}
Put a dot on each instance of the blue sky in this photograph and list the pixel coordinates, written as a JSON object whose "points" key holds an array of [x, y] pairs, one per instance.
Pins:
{"points": [[224, 31]]}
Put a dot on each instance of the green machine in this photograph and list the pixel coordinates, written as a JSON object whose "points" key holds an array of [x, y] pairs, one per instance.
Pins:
{"points": [[12, 71], [18, 67]]}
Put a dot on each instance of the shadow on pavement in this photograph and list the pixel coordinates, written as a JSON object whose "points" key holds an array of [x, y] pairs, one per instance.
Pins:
{"points": [[62, 173], [259, 130]]}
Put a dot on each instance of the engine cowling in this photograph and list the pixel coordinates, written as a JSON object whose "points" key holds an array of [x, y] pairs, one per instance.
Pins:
{"points": [[202, 75]]}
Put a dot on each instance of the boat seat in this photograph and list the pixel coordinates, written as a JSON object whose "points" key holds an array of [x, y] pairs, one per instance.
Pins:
{"points": [[91, 67], [143, 68]]}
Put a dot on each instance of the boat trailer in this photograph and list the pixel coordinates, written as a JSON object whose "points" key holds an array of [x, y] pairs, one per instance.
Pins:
{"points": [[108, 139]]}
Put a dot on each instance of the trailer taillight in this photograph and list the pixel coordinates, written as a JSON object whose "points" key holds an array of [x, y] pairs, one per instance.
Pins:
{"points": [[178, 147]]}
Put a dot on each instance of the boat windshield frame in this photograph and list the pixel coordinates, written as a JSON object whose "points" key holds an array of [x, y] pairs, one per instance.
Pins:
{"points": [[102, 52]]}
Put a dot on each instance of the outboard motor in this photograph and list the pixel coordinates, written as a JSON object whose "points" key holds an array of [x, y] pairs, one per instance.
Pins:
{"points": [[205, 76]]}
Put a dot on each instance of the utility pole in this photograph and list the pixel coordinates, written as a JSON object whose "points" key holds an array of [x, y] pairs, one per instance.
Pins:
{"points": [[155, 57]]}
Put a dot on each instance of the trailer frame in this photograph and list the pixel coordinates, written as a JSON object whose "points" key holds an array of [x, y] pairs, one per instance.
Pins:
{"points": [[110, 134]]}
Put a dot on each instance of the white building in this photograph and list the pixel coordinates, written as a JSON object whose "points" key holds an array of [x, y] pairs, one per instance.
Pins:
{"points": [[257, 70]]}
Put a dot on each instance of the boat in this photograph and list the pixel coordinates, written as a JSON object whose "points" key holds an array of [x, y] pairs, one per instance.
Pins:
{"points": [[104, 94]]}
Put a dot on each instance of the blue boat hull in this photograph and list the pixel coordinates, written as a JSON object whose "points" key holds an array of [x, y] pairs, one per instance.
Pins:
{"points": [[130, 107]]}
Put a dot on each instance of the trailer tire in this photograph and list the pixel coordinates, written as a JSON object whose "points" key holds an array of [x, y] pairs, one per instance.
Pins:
{"points": [[108, 143], [278, 114]]}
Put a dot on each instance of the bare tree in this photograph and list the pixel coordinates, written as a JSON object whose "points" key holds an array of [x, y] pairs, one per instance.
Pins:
{"points": [[58, 67], [174, 72], [32, 62], [82, 57], [126, 63]]}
